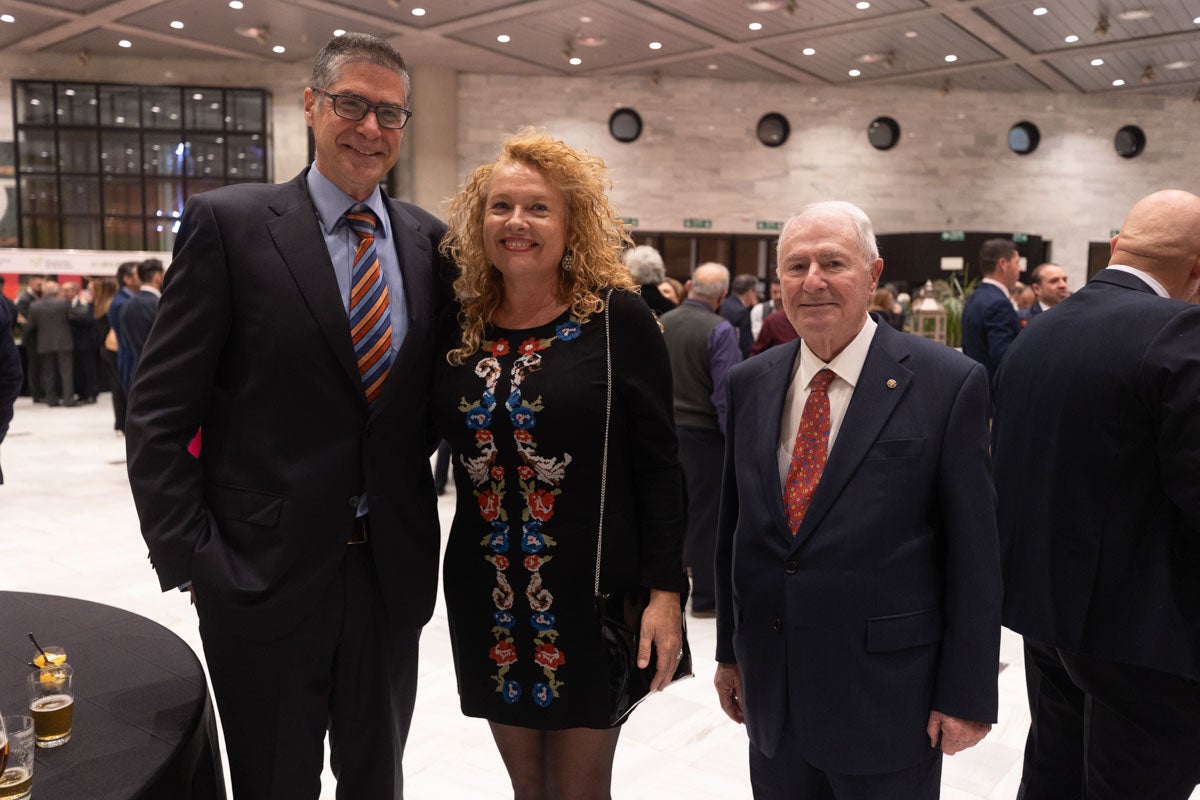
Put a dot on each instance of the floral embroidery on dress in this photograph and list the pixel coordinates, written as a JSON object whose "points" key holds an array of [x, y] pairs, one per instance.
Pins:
{"points": [[538, 481]]}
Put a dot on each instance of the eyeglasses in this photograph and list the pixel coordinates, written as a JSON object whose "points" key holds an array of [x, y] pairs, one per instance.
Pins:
{"points": [[354, 109]]}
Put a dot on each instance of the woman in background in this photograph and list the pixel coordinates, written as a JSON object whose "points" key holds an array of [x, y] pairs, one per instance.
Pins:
{"points": [[103, 292]]}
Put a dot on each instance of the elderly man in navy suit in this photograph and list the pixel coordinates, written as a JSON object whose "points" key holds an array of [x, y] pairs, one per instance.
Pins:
{"points": [[1097, 448], [858, 573], [989, 321]]}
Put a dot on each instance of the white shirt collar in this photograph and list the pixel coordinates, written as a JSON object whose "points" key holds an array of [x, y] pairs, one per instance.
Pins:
{"points": [[997, 284], [1043, 306], [152, 291], [1137, 273], [847, 365]]}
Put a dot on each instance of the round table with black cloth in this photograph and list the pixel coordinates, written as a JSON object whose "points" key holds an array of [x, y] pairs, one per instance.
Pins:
{"points": [[144, 725]]}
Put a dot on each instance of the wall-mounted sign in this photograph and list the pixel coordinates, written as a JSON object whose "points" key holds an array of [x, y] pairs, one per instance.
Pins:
{"points": [[630, 221], [692, 222], [1113, 232], [952, 263], [1020, 238], [954, 236], [768, 225]]}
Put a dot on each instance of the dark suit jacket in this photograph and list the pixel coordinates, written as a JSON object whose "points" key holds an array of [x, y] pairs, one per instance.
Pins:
{"points": [[739, 317], [989, 325], [1025, 315], [47, 321], [124, 367], [886, 604], [1097, 448], [137, 318], [11, 376], [252, 342]]}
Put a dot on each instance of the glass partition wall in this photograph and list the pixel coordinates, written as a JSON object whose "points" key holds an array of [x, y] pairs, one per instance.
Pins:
{"points": [[109, 166]]}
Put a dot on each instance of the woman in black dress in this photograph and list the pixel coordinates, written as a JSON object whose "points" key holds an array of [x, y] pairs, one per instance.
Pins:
{"points": [[521, 396]]}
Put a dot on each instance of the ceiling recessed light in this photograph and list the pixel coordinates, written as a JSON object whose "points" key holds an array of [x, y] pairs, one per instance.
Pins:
{"points": [[764, 5], [808, 51], [656, 45], [590, 41], [575, 61], [854, 73], [1135, 14], [862, 6], [340, 32], [125, 43], [176, 24], [1179, 65], [911, 34], [1097, 62], [279, 49], [1118, 82], [755, 26], [951, 58], [504, 38], [1196, 21], [1072, 39], [585, 20], [714, 66], [236, 5], [1039, 11], [7, 18], [418, 12]]}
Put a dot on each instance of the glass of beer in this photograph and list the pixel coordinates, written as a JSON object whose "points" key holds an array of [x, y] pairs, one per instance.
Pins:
{"points": [[52, 704], [56, 654], [16, 780]]}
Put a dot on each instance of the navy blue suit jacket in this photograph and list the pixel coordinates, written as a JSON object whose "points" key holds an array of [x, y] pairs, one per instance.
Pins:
{"points": [[886, 604], [1097, 453], [989, 325], [137, 318]]}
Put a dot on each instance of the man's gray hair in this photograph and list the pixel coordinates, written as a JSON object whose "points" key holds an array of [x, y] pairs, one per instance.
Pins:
{"points": [[710, 286], [357, 48], [645, 264], [843, 210]]}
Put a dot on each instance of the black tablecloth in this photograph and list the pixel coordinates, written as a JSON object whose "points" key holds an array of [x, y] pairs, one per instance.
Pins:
{"points": [[144, 725]]}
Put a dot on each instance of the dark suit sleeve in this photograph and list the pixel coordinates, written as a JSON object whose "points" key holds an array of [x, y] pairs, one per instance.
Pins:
{"points": [[726, 524], [966, 676], [11, 376], [171, 394], [642, 377], [1172, 368], [1002, 326]]}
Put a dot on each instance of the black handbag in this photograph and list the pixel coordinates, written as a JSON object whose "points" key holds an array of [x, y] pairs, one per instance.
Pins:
{"points": [[620, 613]]}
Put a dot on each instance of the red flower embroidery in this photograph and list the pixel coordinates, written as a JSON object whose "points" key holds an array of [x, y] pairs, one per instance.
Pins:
{"points": [[498, 347], [497, 473], [483, 436], [549, 656], [541, 504], [500, 562], [503, 653], [489, 505], [530, 346], [522, 435], [524, 473], [533, 563]]}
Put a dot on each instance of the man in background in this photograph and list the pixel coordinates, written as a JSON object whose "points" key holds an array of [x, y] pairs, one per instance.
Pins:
{"points": [[1097, 466], [49, 325], [989, 321], [32, 293], [84, 341], [127, 286], [743, 294], [1049, 284], [137, 315]]}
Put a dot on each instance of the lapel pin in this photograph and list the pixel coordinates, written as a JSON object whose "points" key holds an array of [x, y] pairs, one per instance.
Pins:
{"points": [[891, 384]]}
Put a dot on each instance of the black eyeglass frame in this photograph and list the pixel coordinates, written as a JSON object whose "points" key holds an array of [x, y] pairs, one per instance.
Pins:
{"points": [[369, 107]]}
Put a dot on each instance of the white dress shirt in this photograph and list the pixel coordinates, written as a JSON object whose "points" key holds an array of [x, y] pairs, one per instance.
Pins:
{"points": [[1145, 278], [846, 366]]}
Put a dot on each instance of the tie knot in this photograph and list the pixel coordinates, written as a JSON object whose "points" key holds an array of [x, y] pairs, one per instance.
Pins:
{"points": [[821, 381], [361, 218]]}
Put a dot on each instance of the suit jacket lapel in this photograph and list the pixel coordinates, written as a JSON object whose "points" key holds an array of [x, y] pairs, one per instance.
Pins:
{"points": [[296, 232], [870, 407], [772, 386]]}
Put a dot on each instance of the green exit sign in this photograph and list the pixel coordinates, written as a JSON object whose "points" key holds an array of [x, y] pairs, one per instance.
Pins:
{"points": [[692, 222], [1020, 238], [954, 236], [768, 225], [630, 221], [1113, 232]]}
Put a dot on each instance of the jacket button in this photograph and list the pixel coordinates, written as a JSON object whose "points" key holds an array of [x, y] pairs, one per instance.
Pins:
{"points": [[790, 568], [353, 502], [776, 625]]}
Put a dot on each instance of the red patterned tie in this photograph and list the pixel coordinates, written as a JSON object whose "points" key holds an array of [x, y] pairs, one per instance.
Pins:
{"points": [[370, 314], [809, 451]]}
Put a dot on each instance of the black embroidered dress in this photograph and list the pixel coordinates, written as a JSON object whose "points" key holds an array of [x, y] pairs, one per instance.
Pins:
{"points": [[525, 416]]}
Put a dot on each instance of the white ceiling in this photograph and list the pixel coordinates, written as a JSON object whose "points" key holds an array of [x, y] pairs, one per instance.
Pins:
{"points": [[998, 45]]}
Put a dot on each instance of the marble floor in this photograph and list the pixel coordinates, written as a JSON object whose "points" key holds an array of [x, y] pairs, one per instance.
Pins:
{"points": [[68, 527]]}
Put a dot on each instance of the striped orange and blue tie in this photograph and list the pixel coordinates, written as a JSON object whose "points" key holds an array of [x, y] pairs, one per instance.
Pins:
{"points": [[370, 312]]}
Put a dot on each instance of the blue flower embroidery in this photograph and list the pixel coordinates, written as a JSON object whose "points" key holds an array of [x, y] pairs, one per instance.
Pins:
{"points": [[498, 541], [533, 542], [522, 418], [511, 692], [543, 621], [478, 418], [542, 694], [488, 400], [504, 619], [566, 331], [513, 400]]}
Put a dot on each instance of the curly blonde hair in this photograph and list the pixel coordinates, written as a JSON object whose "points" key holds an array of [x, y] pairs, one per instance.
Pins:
{"points": [[595, 235]]}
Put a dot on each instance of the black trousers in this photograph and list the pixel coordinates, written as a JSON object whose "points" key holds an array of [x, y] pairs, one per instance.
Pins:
{"points": [[345, 670], [701, 453], [1107, 731]]}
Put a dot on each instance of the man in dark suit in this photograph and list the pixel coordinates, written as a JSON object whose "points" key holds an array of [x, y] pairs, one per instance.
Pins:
{"points": [[307, 527], [989, 321], [743, 294], [128, 283], [87, 346], [32, 293], [1097, 453], [137, 315], [11, 376], [48, 324], [1049, 284], [858, 625]]}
